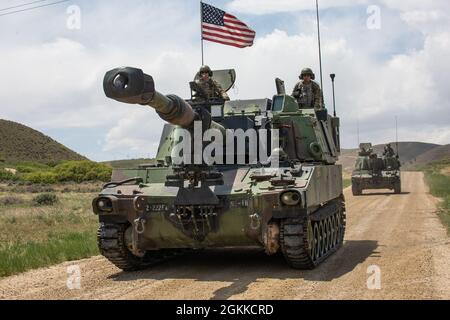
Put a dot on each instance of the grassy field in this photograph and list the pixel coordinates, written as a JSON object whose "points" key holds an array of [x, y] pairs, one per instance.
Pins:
{"points": [[33, 235], [437, 176], [347, 182]]}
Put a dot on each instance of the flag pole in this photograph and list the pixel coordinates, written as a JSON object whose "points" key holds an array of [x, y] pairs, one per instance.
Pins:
{"points": [[201, 30], [320, 48]]}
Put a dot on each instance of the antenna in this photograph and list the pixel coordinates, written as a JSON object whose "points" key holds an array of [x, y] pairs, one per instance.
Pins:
{"points": [[333, 76], [396, 135], [320, 47], [357, 130]]}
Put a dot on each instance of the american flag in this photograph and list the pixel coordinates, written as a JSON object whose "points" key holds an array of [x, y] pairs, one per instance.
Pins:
{"points": [[221, 27]]}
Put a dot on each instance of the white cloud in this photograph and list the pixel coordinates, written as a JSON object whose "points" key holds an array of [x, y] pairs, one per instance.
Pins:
{"points": [[274, 6], [422, 17], [56, 82], [261, 7], [136, 133]]}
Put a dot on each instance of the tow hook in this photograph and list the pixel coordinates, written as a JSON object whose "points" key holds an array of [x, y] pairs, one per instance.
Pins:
{"points": [[139, 228], [255, 221], [139, 225]]}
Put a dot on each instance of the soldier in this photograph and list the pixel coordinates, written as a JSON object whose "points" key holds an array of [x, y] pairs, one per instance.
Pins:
{"points": [[207, 88], [388, 151], [308, 92]]}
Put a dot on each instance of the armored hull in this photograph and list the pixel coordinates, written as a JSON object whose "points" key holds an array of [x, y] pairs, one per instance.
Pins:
{"points": [[249, 212], [366, 181]]}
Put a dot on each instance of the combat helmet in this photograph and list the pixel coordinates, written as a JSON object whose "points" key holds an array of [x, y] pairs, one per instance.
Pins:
{"points": [[307, 71], [206, 68]]}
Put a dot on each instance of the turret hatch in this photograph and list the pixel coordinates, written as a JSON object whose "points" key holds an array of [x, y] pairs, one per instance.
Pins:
{"points": [[226, 78]]}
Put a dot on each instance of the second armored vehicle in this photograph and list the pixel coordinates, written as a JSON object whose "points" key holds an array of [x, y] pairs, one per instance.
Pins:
{"points": [[375, 172], [150, 213]]}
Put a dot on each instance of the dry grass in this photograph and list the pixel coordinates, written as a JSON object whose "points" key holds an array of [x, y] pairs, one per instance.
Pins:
{"points": [[33, 236], [439, 181]]}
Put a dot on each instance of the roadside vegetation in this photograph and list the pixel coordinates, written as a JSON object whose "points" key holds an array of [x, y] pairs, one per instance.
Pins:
{"points": [[42, 229], [45, 213], [347, 178], [437, 176], [67, 171], [347, 182]]}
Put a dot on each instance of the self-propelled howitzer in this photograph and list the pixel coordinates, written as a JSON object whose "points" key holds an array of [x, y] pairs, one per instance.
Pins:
{"points": [[375, 172], [297, 207]]}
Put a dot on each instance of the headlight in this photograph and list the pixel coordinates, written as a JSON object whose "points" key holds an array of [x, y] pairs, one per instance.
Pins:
{"points": [[104, 205], [291, 198]]}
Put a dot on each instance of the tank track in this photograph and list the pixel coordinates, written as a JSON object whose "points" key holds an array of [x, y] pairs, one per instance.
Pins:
{"points": [[111, 243], [307, 242], [356, 189], [398, 187]]}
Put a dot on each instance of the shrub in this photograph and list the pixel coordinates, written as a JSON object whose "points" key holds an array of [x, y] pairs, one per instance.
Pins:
{"points": [[10, 201], [7, 176], [41, 177], [71, 171], [30, 167], [25, 169], [80, 171], [45, 199]]}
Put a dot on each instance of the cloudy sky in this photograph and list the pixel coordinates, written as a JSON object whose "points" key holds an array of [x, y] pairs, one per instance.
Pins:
{"points": [[391, 57]]}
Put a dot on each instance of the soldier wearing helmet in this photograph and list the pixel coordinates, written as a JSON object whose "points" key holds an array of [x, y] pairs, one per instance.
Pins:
{"points": [[308, 92], [206, 88], [388, 151]]}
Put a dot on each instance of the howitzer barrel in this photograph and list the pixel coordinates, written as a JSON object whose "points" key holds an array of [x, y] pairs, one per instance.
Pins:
{"points": [[131, 85]]}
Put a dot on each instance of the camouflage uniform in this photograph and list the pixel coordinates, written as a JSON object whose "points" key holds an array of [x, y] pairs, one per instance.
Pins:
{"points": [[212, 90], [308, 95], [388, 151], [208, 89]]}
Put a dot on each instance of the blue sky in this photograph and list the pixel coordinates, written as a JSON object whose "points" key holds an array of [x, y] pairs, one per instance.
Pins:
{"points": [[54, 74]]}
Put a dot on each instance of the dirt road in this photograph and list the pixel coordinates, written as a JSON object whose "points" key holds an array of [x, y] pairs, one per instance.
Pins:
{"points": [[400, 234]]}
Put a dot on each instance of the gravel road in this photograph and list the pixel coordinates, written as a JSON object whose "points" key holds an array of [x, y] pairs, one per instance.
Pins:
{"points": [[400, 235]]}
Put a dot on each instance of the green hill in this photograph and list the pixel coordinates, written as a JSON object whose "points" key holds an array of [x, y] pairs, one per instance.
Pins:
{"points": [[435, 155], [19, 143]]}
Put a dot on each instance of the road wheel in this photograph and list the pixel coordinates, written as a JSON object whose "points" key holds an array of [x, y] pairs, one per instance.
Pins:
{"points": [[298, 243], [112, 245], [307, 242]]}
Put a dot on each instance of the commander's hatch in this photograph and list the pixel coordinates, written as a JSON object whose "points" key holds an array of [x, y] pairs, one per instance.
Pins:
{"points": [[226, 78]]}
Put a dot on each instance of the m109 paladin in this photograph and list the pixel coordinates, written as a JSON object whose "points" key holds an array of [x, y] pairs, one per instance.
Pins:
{"points": [[376, 172], [153, 212]]}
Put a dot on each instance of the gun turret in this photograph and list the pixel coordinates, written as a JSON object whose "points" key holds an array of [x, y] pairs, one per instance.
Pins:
{"points": [[131, 85]]}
